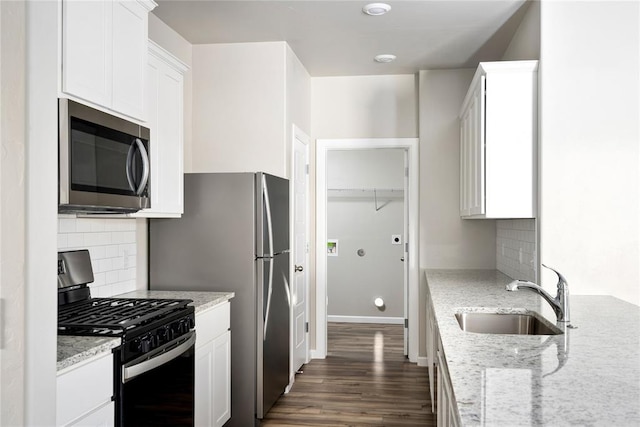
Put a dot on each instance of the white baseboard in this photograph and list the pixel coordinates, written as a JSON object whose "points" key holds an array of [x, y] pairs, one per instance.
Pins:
{"points": [[315, 354], [366, 319], [423, 361]]}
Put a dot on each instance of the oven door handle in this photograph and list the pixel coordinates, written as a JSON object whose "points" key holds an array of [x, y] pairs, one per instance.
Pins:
{"points": [[130, 372]]}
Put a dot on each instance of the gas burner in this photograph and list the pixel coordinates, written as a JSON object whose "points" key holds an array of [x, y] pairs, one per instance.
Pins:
{"points": [[113, 316]]}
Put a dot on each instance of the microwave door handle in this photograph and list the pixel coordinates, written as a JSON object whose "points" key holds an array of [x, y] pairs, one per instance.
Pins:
{"points": [[128, 166], [145, 167]]}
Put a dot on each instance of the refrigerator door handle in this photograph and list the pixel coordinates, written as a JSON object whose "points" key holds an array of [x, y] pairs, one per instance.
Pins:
{"points": [[285, 282], [269, 292], [267, 208]]}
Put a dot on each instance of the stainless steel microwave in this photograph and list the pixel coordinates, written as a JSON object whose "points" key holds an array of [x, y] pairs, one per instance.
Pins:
{"points": [[103, 161]]}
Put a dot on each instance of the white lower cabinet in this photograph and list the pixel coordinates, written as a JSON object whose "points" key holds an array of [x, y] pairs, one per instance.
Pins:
{"points": [[432, 349], [447, 413], [101, 417], [446, 410], [213, 367], [84, 393]]}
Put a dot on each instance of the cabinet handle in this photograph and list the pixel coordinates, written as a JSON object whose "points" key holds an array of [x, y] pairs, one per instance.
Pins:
{"points": [[298, 268]]}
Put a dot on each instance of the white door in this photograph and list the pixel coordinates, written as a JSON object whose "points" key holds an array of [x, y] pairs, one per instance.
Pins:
{"points": [[300, 276]]}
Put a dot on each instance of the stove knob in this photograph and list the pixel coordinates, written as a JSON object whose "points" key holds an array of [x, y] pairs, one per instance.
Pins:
{"points": [[145, 344], [162, 335], [183, 326], [192, 322]]}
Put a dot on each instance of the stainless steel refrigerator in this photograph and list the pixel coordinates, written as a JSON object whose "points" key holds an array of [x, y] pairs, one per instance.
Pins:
{"points": [[234, 236]]}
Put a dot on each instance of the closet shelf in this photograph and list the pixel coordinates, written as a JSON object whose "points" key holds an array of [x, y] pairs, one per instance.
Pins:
{"points": [[366, 192], [380, 196]]}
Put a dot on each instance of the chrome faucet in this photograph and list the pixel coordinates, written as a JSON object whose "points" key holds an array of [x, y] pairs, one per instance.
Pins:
{"points": [[560, 303]]}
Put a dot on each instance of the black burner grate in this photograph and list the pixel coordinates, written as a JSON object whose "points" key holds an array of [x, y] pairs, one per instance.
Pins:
{"points": [[112, 316]]}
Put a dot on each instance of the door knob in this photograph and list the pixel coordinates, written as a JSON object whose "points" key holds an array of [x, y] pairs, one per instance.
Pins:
{"points": [[298, 268]]}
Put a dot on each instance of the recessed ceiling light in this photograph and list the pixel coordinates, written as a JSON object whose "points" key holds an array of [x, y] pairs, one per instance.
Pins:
{"points": [[385, 58], [376, 9]]}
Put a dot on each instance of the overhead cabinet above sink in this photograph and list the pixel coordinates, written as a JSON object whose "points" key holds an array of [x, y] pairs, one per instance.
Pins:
{"points": [[498, 141]]}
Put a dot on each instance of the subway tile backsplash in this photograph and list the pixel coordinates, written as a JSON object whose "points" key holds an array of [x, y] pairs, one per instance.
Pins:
{"points": [[516, 251], [112, 245]]}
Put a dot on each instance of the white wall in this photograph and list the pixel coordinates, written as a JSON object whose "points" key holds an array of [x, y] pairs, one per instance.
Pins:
{"points": [[12, 213], [364, 107], [239, 112], [590, 155], [383, 168], [446, 240], [298, 103], [525, 43], [353, 281]]}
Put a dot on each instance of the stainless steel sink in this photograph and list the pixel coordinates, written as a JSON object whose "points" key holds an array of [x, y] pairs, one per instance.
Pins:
{"points": [[505, 323]]}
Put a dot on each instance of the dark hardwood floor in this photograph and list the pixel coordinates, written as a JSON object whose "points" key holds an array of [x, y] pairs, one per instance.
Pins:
{"points": [[364, 381]]}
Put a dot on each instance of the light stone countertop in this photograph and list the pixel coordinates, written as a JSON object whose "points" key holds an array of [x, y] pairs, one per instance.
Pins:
{"points": [[201, 300], [75, 349], [587, 376]]}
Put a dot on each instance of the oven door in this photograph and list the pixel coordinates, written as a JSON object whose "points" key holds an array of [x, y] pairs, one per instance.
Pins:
{"points": [[157, 389]]}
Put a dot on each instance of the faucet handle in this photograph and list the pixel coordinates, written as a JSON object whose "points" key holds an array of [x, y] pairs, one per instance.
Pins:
{"points": [[562, 282]]}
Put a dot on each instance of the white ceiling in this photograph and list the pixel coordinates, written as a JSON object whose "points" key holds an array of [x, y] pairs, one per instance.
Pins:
{"points": [[334, 38]]}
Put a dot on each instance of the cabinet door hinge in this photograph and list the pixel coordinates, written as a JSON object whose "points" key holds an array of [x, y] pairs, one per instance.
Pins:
{"points": [[406, 323], [306, 169], [306, 327]]}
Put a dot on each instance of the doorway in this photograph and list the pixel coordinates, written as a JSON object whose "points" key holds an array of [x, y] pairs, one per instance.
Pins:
{"points": [[365, 228], [409, 146]]}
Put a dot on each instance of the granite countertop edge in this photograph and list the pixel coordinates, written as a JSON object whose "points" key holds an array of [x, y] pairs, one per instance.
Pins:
{"points": [[588, 376], [76, 349]]}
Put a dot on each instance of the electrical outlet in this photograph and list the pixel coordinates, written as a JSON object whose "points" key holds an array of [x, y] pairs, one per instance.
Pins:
{"points": [[126, 258], [520, 256], [396, 239]]}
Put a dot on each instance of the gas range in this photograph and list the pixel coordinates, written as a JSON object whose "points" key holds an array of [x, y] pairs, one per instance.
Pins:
{"points": [[143, 324], [154, 363], [114, 316]]}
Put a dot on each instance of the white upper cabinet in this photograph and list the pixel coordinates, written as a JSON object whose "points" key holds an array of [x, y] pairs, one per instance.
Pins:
{"points": [[164, 106], [498, 140], [104, 53], [130, 23]]}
